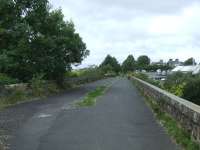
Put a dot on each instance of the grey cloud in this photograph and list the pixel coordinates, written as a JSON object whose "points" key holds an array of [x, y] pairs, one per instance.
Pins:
{"points": [[120, 27], [155, 6]]}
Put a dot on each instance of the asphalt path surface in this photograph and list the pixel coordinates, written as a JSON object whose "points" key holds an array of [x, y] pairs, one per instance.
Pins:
{"points": [[119, 121]]}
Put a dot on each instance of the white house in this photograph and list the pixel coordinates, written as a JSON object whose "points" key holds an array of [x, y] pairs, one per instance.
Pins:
{"points": [[187, 69]]}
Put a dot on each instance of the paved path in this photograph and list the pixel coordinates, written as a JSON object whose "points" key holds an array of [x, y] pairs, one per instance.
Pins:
{"points": [[120, 121]]}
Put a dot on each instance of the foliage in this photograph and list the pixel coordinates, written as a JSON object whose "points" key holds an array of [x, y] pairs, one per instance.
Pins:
{"points": [[178, 89], [175, 79], [37, 85], [143, 61], [15, 97], [189, 61], [184, 85], [129, 64], [173, 128], [5, 80], [141, 76], [145, 77], [35, 39], [175, 83], [82, 76], [52, 88], [107, 69], [90, 98], [191, 90], [72, 74], [155, 67], [91, 73], [111, 61]]}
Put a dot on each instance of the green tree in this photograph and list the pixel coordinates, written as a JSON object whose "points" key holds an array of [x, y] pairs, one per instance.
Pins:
{"points": [[111, 61], [191, 90], [36, 40], [189, 61], [143, 61], [107, 69], [154, 67], [128, 64]]}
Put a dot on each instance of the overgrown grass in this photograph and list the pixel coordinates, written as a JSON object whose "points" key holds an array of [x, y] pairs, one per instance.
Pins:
{"points": [[145, 77], [91, 97], [173, 127], [15, 97], [37, 89], [2, 140], [4, 79], [1, 146]]}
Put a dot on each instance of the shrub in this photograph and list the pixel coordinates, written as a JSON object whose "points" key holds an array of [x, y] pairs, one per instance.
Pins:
{"points": [[141, 76], [16, 96], [176, 79], [183, 85], [145, 77], [178, 89], [72, 74], [107, 69], [5, 80], [191, 90], [91, 74], [37, 85], [52, 87]]}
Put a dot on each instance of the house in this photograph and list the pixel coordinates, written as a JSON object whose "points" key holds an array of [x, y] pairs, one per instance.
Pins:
{"points": [[160, 63], [194, 69], [174, 63]]}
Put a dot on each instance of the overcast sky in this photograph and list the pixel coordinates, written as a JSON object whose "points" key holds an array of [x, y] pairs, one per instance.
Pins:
{"points": [[159, 29]]}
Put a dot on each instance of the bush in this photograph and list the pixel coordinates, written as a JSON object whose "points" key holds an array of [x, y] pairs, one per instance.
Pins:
{"points": [[141, 76], [91, 73], [16, 96], [72, 74], [37, 85], [52, 87], [191, 90], [178, 89], [145, 77], [183, 85], [176, 79], [107, 69], [5, 80]]}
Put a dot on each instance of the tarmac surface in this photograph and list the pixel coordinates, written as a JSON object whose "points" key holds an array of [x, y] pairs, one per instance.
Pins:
{"points": [[120, 120]]}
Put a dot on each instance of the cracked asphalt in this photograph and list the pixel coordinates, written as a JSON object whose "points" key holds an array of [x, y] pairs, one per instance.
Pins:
{"points": [[119, 121]]}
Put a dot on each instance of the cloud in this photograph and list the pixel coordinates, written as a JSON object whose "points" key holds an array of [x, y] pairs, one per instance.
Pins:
{"points": [[185, 22], [159, 29]]}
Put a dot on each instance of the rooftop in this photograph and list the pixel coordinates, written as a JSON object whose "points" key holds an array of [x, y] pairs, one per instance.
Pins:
{"points": [[193, 69]]}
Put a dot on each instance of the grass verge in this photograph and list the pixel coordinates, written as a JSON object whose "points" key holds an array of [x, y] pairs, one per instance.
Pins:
{"points": [[173, 128], [90, 98], [38, 89]]}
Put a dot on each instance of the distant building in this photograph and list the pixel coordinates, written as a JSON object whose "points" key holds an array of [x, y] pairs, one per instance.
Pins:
{"points": [[195, 69], [174, 63], [161, 63]]}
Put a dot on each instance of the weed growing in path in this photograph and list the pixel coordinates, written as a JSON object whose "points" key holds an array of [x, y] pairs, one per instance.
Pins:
{"points": [[90, 98]]}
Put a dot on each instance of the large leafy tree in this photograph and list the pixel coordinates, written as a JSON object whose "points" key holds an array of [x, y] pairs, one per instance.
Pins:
{"points": [[112, 62], [128, 64], [143, 61], [189, 61], [37, 40]]}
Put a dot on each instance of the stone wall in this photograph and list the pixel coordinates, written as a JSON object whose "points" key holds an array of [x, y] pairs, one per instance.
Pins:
{"points": [[185, 112]]}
